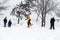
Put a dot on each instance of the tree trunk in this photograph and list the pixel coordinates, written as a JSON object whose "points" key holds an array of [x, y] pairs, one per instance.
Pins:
{"points": [[42, 23], [44, 20], [37, 18], [18, 17], [43, 14], [18, 20]]}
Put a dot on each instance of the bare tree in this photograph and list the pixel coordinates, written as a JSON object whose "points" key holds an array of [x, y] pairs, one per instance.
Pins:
{"points": [[57, 11], [43, 7], [46, 7]]}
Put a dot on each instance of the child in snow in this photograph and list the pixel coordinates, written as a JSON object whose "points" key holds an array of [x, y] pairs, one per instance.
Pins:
{"points": [[29, 19]]}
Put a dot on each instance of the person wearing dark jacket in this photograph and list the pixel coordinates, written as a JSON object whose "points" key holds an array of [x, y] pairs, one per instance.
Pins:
{"points": [[52, 23], [5, 21], [9, 23]]}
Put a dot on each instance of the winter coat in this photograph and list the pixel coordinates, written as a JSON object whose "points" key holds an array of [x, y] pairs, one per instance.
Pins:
{"points": [[52, 20], [28, 18], [9, 23], [5, 20]]}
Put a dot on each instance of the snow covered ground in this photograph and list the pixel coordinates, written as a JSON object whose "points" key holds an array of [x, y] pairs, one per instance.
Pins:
{"points": [[21, 32]]}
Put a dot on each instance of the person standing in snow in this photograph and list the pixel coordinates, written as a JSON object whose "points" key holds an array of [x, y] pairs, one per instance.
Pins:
{"points": [[29, 19], [52, 23], [5, 21], [9, 23]]}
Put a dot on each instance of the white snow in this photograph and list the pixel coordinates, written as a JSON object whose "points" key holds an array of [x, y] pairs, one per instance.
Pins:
{"points": [[22, 32]]}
